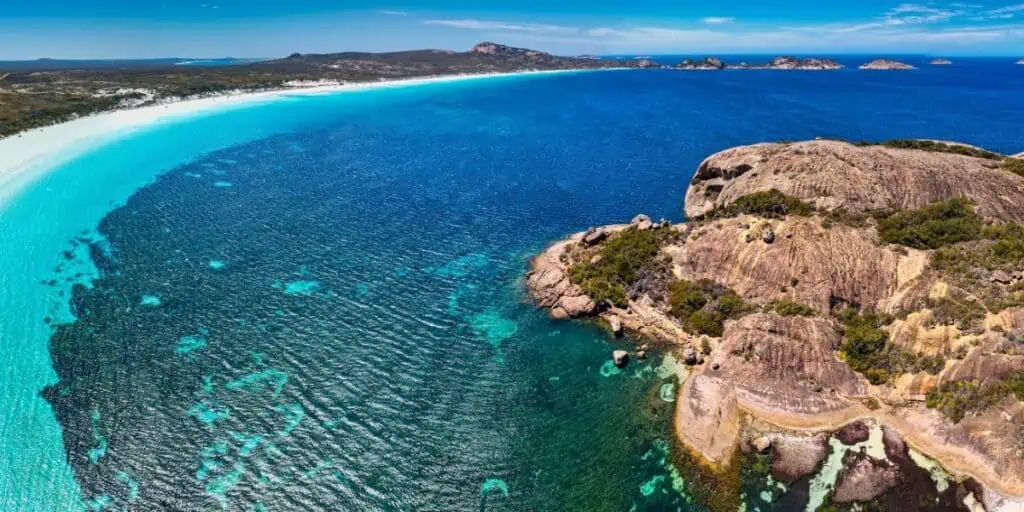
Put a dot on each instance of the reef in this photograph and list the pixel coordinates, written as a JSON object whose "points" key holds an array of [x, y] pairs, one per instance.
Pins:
{"points": [[830, 287]]}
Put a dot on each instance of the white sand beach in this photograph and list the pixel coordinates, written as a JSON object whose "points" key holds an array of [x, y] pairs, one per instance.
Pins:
{"points": [[26, 156]]}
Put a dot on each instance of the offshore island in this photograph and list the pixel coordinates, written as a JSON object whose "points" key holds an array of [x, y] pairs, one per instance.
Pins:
{"points": [[864, 300]]}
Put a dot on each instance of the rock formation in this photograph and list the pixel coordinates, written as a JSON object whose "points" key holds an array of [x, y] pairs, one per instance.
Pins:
{"points": [[780, 63], [886, 64], [940, 62], [769, 295], [710, 63]]}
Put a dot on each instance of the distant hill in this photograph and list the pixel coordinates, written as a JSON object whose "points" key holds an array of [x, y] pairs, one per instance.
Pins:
{"points": [[68, 64]]}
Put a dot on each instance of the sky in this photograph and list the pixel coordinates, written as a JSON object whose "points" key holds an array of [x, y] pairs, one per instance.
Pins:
{"points": [[273, 28]]}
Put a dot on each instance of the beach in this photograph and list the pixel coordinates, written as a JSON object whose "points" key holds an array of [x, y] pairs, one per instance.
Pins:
{"points": [[27, 155]]}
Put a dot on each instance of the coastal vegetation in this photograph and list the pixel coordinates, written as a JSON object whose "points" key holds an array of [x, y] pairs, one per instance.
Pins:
{"points": [[769, 204], [935, 146], [618, 264], [38, 95], [703, 307], [958, 399], [788, 307], [866, 348], [936, 225]]}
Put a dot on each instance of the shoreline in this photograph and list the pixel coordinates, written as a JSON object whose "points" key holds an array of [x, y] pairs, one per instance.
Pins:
{"points": [[721, 437], [28, 155]]}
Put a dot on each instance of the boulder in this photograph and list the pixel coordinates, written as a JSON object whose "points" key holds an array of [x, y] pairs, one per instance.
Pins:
{"points": [[853, 433], [1001, 277], [768, 235], [642, 222], [616, 325], [594, 236], [641, 354], [578, 306], [620, 358], [690, 356], [762, 444], [864, 478]]}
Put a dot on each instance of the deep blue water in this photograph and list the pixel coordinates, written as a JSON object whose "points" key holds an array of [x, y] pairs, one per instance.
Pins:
{"points": [[333, 317]]}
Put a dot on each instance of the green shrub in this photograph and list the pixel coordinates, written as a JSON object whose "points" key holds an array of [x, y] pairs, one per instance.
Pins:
{"points": [[787, 307], [938, 147], [621, 259], [939, 224], [957, 399], [711, 323], [1014, 165], [685, 298], [771, 204], [866, 349], [704, 307]]}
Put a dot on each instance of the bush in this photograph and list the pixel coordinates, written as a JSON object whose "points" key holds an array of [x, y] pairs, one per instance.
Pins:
{"points": [[866, 349], [939, 224], [771, 204], [1014, 165], [622, 258], [938, 147], [787, 307], [704, 307]]}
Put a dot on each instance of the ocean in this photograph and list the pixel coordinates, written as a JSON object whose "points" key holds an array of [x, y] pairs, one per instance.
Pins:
{"points": [[317, 302]]}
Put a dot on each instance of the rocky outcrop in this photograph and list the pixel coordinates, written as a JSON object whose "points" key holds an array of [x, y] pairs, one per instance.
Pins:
{"points": [[790, 372], [856, 432], [549, 281], [834, 175], [779, 63], [797, 262], [489, 48], [886, 65], [796, 455], [708, 64], [940, 62], [863, 478]]}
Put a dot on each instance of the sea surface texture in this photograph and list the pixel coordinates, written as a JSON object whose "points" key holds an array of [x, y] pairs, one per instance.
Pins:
{"points": [[318, 304]]}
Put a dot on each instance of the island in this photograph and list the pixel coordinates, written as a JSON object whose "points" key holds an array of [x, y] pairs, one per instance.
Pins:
{"points": [[886, 65], [1020, 62], [45, 92], [940, 62], [781, 63], [828, 295]]}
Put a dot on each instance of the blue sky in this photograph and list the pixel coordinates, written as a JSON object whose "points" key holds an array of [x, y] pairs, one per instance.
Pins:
{"points": [[268, 28]]}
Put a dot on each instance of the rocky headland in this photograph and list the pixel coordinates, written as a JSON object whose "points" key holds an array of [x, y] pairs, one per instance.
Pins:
{"points": [[828, 287], [782, 63], [886, 64]]}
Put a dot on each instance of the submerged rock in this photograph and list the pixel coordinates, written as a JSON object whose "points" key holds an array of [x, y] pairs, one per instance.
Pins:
{"points": [[620, 358]]}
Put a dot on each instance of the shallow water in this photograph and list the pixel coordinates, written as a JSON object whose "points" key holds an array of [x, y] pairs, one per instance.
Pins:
{"points": [[325, 309]]}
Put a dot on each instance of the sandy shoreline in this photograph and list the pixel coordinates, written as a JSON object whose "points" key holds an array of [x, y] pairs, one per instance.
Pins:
{"points": [[26, 156]]}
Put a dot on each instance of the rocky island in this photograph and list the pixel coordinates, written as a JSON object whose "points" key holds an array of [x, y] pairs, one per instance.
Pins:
{"points": [[782, 63], [1020, 62], [887, 64], [940, 62], [864, 300]]}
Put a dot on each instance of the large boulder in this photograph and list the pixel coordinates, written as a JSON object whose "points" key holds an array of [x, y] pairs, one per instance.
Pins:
{"points": [[834, 174]]}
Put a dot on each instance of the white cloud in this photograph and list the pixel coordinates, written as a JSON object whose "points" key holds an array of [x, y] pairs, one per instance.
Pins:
{"points": [[387, 12], [504, 26], [717, 20]]}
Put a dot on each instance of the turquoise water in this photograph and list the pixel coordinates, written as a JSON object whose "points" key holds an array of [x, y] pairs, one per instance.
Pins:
{"points": [[344, 326]]}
